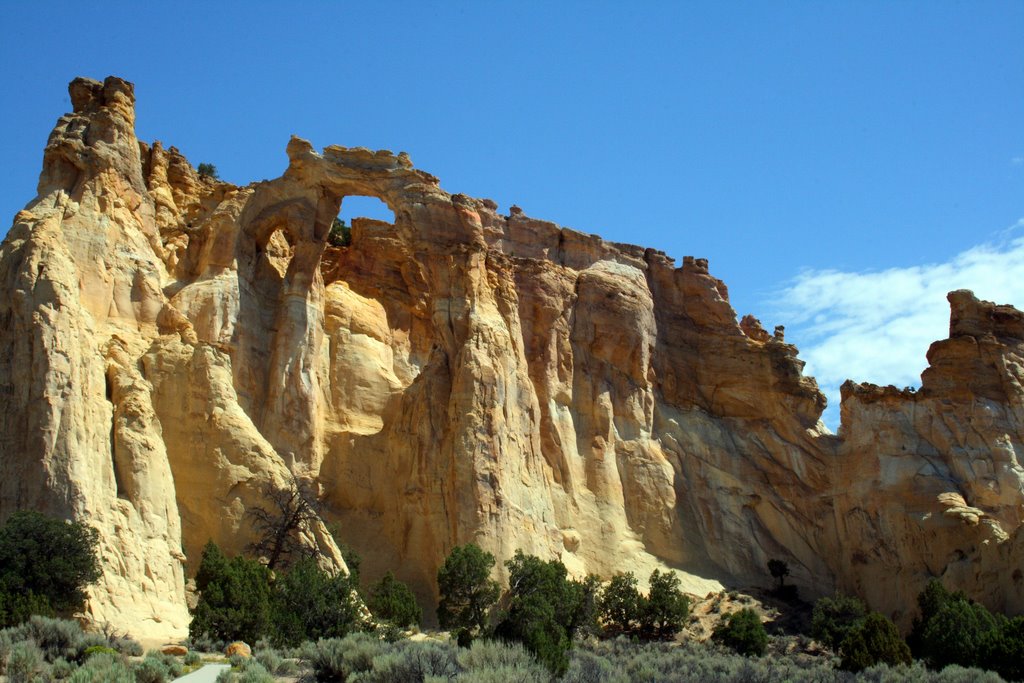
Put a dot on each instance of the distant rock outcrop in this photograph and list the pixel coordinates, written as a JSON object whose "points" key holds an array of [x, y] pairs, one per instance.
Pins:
{"points": [[173, 346]]}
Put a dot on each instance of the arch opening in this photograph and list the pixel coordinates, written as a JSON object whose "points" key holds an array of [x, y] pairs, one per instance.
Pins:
{"points": [[357, 208]]}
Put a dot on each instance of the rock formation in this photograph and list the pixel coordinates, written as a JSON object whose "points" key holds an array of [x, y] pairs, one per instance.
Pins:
{"points": [[173, 347]]}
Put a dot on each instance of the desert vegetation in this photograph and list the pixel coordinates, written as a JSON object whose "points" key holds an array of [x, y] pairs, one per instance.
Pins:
{"points": [[309, 624]]}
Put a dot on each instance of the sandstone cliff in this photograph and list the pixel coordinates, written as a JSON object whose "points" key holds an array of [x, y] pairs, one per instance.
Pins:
{"points": [[172, 346]]}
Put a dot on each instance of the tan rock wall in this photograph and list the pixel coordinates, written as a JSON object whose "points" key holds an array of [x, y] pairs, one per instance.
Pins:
{"points": [[173, 347]]}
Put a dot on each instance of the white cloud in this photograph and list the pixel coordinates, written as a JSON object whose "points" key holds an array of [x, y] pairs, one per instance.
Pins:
{"points": [[876, 326]]}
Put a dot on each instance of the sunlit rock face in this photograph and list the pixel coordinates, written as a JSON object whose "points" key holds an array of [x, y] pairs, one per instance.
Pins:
{"points": [[173, 347]]}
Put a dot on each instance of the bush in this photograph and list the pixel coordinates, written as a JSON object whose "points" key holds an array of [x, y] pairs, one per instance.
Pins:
{"points": [[951, 629], [234, 598], [875, 641], [45, 565], [269, 659], [542, 606], [253, 672], [743, 632], [126, 646], [392, 601], [620, 605], [835, 618], [55, 637], [664, 611], [61, 669], [25, 662], [97, 650], [335, 659], [409, 662], [310, 604], [659, 615], [340, 234], [202, 643], [779, 569], [103, 669], [151, 670], [488, 660], [191, 658], [208, 170], [588, 667], [1003, 649], [466, 589]]}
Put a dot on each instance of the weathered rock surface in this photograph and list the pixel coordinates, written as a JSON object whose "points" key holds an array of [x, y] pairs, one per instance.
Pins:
{"points": [[173, 346]]}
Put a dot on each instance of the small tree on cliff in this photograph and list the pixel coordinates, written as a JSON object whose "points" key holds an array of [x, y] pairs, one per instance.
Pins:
{"points": [[780, 570], [291, 510], [340, 234], [208, 170], [467, 591]]}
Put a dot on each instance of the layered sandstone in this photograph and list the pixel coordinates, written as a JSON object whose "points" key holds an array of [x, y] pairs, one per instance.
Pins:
{"points": [[174, 346]]}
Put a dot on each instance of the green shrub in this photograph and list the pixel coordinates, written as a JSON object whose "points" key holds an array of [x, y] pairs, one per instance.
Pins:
{"points": [[588, 667], [660, 614], [339, 236], [494, 654], [208, 170], [834, 618], [5, 648], [621, 605], [334, 659], [1003, 649], [234, 598], [97, 650], [951, 629], [492, 660], [310, 604], [45, 565], [743, 632], [25, 662], [126, 646], [61, 669], [17, 605], [409, 662], [174, 667], [466, 589], [191, 658], [102, 668], [532, 674], [664, 611], [348, 553], [779, 569], [203, 643], [542, 604], [268, 658], [254, 672], [151, 670], [55, 637], [392, 601], [874, 641]]}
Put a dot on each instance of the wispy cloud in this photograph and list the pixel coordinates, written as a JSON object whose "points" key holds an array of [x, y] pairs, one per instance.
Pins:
{"points": [[876, 326], [1017, 161]]}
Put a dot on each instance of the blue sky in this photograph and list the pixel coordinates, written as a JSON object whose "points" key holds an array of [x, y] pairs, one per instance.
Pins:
{"points": [[800, 147]]}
